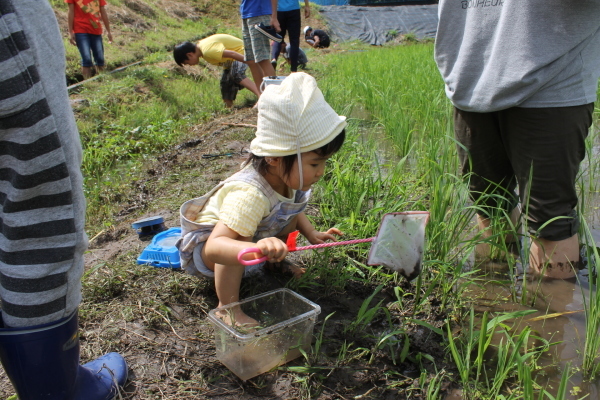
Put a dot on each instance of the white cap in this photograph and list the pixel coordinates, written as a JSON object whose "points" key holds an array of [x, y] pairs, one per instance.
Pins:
{"points": [[294, 118], [306, 29]]}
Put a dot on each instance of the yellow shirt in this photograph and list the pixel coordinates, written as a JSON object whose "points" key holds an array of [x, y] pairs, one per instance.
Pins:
{"points": [[212, 48], [239, 205]]}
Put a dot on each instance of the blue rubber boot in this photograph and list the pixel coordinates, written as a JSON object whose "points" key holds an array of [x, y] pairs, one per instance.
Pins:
{"points": [[42, 362]]}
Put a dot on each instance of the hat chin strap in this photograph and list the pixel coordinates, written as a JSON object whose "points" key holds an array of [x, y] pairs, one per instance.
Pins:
{"points": [[299, 164]]}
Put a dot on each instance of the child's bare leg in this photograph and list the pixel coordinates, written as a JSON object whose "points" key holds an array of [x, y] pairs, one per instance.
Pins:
{"points": [[267, 68], [228, 103], [227, 284], [248, 84], [86, 72], [257, 73]]}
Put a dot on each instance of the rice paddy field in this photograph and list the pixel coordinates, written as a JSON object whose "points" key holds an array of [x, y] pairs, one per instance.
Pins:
{"points": [[520, 337]]}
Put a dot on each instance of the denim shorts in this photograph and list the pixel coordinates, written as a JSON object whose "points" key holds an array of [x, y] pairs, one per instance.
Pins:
{"points": [[537, 149], [256, 45], [89, 44]]}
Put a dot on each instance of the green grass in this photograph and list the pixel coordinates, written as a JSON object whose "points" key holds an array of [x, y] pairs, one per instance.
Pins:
{"points": [[133, 115]]}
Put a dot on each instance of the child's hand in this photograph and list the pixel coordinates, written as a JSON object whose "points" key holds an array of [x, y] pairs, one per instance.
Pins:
{"points": [[274, 249], [316, 237]]}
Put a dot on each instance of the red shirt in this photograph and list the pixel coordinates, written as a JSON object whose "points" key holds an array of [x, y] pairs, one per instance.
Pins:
{"points": [[87, 16]]}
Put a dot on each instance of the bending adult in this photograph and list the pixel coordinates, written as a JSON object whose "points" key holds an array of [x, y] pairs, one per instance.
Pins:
{"points": [[288, 15], [523, 78], [42, 211], [85, 32]]}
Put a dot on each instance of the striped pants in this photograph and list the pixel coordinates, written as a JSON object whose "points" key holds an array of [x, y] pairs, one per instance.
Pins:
{"points": [[42, 207]]}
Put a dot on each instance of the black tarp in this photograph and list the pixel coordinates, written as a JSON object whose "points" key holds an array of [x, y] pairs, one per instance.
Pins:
{"points": [[373, 25]]}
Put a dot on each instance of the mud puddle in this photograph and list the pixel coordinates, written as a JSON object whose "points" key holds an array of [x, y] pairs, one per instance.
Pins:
{"points": [[559, 305], [559, 318]]}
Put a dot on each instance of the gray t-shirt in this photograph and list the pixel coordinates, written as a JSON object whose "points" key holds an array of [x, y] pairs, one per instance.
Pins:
{"points": [[496, 54]]}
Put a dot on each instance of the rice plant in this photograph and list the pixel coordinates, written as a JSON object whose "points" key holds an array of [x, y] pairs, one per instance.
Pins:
{"points": [[366, 314], [491, 359], [407, 104], [591, 351]]}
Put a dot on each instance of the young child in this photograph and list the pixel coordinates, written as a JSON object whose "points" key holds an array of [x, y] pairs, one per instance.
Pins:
{"points": [[221, 50], [265, 201], [85, 32]]}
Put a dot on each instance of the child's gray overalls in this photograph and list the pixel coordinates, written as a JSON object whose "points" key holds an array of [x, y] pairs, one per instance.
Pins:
{"points": [[194, 234]]}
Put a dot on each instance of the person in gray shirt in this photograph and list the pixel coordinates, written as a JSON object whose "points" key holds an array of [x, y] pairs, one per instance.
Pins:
{"points": [[522, 76]]}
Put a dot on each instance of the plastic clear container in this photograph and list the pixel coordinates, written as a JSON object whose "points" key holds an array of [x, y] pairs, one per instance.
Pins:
{"points": [[286, 324]]}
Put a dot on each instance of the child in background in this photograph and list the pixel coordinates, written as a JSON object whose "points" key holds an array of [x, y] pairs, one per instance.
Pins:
{"points": [[284, 49], [265, 201], [222, 50], [317, 38], [85, 32], [288, 16], [259, 24]]}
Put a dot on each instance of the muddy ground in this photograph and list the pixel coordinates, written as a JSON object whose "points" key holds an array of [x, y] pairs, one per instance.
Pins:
{"points": [[156, 317]]}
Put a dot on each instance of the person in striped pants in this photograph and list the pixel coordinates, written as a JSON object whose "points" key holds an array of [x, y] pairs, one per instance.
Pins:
{"points": [[42, 215]]}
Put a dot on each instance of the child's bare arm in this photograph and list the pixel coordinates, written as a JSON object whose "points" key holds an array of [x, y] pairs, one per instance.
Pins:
{"points": [[106, 22], [274, 22], [307, 229], [71, 19], [224, 244], [233, 54]]}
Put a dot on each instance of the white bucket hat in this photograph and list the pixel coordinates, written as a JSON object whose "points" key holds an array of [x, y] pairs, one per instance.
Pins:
{"points": [[306, 29], [294, 118]]}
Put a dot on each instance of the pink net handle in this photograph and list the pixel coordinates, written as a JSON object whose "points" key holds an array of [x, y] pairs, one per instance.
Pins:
{"points": [[312, 246], [331, 244]]}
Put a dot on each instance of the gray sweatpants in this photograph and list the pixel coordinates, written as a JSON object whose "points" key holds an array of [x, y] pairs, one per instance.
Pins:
{"points": [[42, 207]]}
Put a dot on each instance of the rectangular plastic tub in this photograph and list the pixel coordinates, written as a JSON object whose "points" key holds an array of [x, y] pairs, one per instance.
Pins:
{"points": [[161, 252], [286, 324]]}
